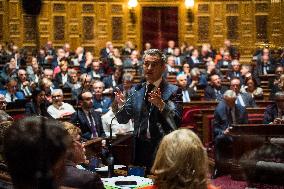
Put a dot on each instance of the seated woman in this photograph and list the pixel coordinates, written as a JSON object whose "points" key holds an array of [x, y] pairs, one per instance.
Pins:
{"points": [[75, 177], [181, 162], [250, 87], [38, 104]]}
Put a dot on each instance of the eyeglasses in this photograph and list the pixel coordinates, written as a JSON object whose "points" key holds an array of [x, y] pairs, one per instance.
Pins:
{"points": [[56, 96]]}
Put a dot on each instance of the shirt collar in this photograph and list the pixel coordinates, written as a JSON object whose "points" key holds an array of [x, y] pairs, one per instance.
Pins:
{"points": [[156, 83]]}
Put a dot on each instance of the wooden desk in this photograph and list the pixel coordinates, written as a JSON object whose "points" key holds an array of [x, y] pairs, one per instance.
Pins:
{"points": [[247, 138]]}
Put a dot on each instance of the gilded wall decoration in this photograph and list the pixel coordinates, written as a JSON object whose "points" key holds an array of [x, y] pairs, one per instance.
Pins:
{"points": [[203, 28], [88, 27], [232, 27], [1, 27], [116, 9], [232, 8], [58, 27], [88, 8], [29, 28], [59, 7], [261, 27], [117, 28]]}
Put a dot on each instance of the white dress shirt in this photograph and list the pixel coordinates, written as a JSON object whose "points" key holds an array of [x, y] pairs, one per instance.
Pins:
{"points": [[63, 110]]}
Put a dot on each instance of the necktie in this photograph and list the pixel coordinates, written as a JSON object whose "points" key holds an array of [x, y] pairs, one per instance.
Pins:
{"points": [[150, 87], [12, 98], [264, 69], [93, 127]]}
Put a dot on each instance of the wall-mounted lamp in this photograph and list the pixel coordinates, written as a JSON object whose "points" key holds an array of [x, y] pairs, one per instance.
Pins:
{"points": [[189, 4], [132, 4]]}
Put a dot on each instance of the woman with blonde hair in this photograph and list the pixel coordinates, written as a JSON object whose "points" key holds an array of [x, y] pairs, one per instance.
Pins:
{"points": [[181, 162]]}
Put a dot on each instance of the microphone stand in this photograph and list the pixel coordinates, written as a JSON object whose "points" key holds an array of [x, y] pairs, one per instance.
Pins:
{"points": [[110, 159]]}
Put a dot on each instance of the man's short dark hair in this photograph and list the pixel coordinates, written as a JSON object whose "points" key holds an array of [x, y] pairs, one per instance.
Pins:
{"points": [[33, 145], [155, 52]]}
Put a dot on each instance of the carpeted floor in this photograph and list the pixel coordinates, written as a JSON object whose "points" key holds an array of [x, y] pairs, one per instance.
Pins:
{"points": [[225, 182]]}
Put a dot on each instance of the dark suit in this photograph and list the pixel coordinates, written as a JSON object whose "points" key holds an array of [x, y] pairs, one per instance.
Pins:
{"points": [[81, 179], [193, 64], [210, 94], [31, 109], [160, 123], [270, 113], [221, 64], [222, 120], [104, 104], [191, 94], [168, 51], [247, 99], [104, 53], [84, 124], [231, 74], [58, 80], [96, 77], [258, 70], [108, 81]]}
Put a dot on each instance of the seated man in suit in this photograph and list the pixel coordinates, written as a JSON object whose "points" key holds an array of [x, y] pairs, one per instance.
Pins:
{"points": [[226, 113], [170, 49], [225, 62], [215, 90], [96, 72], [84, 85], [197, 79], [104, 53], [243, 99], [101, 103], [194, 59], [179, 58], [171, 66], [74, 82], [264, 66], [211, 69], [274, 113], [58, 108], [187, 92], [12, 94], [235, 70], [34, 72], [113, 80], [23, 83], [87, 118], [9, 72]]}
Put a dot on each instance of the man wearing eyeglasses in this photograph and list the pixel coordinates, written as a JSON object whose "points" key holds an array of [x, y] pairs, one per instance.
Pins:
{"points": [[11, 93], [59, 109]]}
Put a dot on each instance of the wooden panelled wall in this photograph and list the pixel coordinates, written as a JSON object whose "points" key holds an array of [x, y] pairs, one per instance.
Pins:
{"points": [[92, 23]]}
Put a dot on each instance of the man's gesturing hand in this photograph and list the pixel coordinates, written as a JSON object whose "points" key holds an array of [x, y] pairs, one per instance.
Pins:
{"points": [[156, 99], [119, 97]]}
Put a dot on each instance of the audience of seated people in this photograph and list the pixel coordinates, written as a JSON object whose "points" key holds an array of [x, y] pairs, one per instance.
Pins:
{"points": [[39, 81]]}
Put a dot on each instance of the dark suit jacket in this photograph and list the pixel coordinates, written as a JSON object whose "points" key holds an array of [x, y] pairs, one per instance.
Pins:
{"points": [[270, 113], [58, 80], [84, 123], [209, 93], [104, 104], [220, 64], [192, 64], [161, 123], [222, 117], [166, 51], [108, 82], [248, 100], [231, 74], [101, 73], [258, 70], [31, 110], [82, 179], [104, 53]]}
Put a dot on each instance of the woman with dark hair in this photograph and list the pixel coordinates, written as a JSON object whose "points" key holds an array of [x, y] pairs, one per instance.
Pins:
{"points": [[38, 104], [252, 88]]}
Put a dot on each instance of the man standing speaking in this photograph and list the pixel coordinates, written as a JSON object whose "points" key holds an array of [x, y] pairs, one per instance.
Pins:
{"points": [[154, 107]]}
